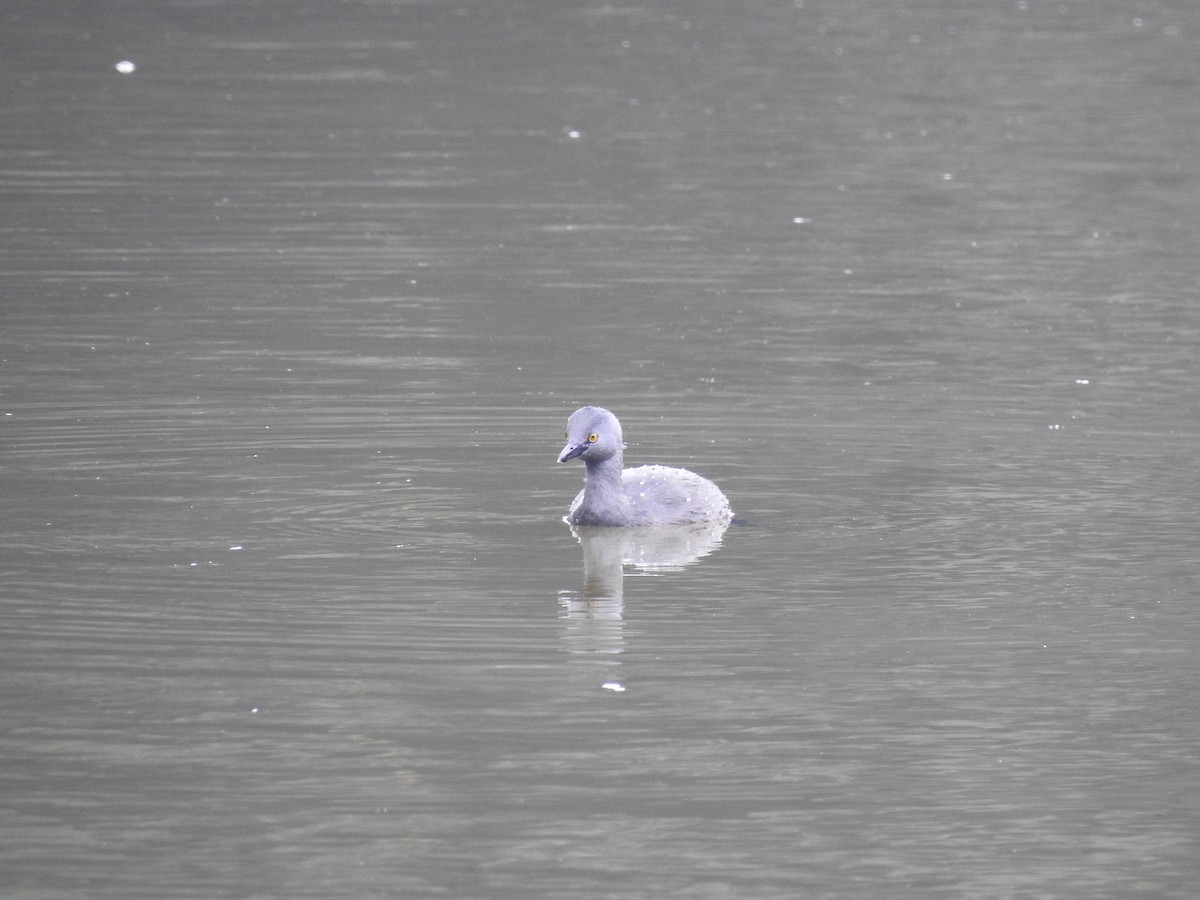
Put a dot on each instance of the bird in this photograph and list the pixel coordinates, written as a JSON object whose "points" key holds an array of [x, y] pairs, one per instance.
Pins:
{"points": [[644, 495]]}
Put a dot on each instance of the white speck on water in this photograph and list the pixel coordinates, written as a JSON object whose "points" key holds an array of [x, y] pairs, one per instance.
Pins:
{"points": [[126, 67], [614, 686], [1083, 381]]}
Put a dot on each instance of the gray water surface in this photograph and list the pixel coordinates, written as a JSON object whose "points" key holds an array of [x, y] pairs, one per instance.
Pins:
{"points": [[294, 313]]}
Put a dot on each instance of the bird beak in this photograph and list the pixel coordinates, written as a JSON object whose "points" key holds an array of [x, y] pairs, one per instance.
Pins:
{"points": [[570, 452]]}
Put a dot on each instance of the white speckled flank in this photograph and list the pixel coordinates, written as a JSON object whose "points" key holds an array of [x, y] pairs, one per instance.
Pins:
{"points": [[645, 495]]}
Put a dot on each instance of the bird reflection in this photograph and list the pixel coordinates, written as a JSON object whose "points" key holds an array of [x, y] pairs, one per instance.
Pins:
{"points": [[593, 617]]}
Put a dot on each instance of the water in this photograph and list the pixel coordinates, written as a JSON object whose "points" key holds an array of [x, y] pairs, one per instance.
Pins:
{"points": [[294, 312]]}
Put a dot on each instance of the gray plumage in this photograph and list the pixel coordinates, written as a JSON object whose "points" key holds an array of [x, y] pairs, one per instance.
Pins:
{"points": [[645, 495]]}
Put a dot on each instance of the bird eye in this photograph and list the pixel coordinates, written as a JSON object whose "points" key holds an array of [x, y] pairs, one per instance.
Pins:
{"points": [[593, 437]]}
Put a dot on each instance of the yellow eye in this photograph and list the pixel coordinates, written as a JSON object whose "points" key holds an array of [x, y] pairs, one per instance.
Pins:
{"points": [[593, 437]]}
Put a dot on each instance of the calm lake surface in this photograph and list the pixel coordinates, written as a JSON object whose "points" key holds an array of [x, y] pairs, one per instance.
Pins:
{"points": [[295, 309]]}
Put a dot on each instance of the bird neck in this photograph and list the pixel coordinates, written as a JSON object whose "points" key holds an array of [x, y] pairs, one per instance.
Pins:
{"points": [[602, 488]]}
